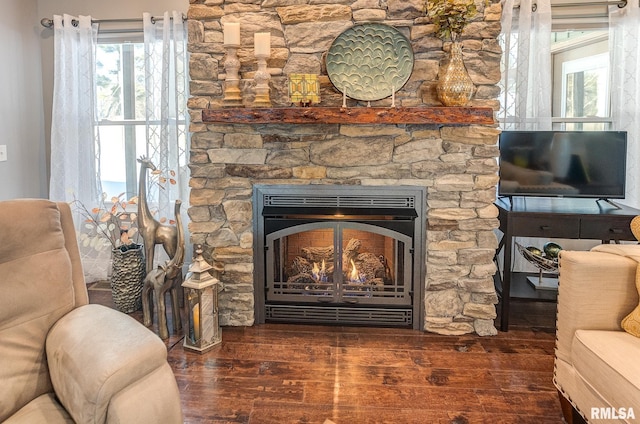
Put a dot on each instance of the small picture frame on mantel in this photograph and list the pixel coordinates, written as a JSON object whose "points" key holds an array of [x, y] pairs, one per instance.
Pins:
{"points": [[304, 89]]}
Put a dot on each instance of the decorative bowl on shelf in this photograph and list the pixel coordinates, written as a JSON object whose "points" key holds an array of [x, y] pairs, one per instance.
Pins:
{"points": [[543, 263]]}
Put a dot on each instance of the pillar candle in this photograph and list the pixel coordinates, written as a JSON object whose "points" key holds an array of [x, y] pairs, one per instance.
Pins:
{"points": [[232, 33], [262, 43], [195, 313]]}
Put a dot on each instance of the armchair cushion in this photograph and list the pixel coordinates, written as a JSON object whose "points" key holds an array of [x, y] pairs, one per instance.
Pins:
{"points": [[44, 409], [608, 358], [631, 322], [94, 352]]}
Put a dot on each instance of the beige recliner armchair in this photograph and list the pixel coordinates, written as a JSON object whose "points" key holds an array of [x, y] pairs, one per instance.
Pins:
{"points": [[63, 360]]}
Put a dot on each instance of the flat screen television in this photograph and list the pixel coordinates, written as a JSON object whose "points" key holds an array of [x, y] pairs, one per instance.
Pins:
{"points": [[590, 164]]}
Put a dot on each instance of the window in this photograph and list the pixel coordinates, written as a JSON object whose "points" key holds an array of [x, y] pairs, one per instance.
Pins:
{"points": [[581, 96], [585, 86], [121, 118], [125, 133]]}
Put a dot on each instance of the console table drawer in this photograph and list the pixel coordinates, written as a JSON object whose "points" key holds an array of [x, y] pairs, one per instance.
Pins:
{"points": [[558, 227], [614, 229]]}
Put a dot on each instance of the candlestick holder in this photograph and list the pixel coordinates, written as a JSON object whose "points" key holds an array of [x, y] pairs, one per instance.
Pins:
{"points": [[262, 78], [232, 97]]}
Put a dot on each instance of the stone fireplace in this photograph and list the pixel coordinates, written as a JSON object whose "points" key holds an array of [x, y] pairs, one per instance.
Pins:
{"points": [[451, 160]]}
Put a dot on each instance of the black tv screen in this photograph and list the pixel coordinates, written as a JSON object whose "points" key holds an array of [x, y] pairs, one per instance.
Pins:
{"points": [[563, 164]]}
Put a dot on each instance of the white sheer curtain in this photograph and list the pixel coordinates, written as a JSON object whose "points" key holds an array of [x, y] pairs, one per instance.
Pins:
{"points": [[526, 65], [74, 170], [75, 173], [526, 76], [166, 76], [624, 50]]}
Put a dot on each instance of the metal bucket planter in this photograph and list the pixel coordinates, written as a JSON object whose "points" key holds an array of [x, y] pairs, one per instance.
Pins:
{"points": [[127, 276]]}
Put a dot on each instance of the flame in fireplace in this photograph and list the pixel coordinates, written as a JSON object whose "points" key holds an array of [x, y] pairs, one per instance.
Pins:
{"points": [[319, 274], [354, 275]]}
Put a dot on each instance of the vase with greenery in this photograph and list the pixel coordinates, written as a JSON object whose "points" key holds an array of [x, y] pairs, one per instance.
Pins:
{"points": [[450, 17]]}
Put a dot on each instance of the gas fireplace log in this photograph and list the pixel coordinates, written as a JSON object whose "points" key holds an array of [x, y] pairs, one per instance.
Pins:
{"points": [[300, 281], [300, 265], [377, 284], [370, 266], [318, 254], [351, 251]]}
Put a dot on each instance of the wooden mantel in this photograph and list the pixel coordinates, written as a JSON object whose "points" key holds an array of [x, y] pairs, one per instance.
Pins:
{"points": [[351, 115]]}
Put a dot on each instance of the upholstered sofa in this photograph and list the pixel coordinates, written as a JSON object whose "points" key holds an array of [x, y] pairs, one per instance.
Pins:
{"points": [[63, 360], [597, 362]]}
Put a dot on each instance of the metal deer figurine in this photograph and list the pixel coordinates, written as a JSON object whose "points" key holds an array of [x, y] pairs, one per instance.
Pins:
{"points": [[165, 278]]}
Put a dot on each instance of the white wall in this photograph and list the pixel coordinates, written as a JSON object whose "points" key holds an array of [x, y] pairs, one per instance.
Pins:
{"points": [[21, 104]]}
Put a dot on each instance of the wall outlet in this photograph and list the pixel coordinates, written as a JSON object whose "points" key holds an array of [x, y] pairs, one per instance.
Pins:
{"points": [[3, 152]]}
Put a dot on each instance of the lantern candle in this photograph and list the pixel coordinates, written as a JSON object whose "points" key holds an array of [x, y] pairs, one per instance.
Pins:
{"points": [[262, 44], [232, 34], [196, 321]]}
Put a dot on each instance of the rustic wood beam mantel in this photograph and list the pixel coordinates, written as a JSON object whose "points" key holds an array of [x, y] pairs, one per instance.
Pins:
{"points": [[351, 115]]}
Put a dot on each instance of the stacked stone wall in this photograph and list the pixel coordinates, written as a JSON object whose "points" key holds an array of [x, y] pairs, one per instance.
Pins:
{"points": [[457, 163]]}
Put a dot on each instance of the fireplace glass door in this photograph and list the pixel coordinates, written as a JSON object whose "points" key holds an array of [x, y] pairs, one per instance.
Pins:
{"points": [[338, 262]]}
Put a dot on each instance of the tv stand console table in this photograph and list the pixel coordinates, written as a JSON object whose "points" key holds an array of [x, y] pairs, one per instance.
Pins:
{"points": [[548, 218]]}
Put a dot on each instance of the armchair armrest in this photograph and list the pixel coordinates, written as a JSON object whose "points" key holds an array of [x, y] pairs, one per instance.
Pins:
{"points": [[96, 355], [596, 290]]}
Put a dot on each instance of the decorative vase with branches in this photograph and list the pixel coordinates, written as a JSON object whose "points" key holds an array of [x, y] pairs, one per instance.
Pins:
{"points": [[113, 224], [109, 226], [450, 18]]}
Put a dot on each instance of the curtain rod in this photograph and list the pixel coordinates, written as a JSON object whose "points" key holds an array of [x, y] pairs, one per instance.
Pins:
{"points": [[48, 22], [620, 3]]}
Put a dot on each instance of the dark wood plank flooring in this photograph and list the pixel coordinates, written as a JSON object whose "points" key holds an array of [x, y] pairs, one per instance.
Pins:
{"points": [[277, 373]]}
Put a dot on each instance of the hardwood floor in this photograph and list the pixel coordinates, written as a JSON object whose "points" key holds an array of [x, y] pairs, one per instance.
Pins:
{"points": [[277, 373]]}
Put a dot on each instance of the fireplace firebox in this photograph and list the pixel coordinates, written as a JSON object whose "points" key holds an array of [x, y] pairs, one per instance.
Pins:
{"points": [[339, 254]]}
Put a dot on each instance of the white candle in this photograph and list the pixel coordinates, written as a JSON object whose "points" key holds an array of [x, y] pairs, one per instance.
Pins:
{"points": [[393, 96], [232, 34], [344, 98], [262, 44]]}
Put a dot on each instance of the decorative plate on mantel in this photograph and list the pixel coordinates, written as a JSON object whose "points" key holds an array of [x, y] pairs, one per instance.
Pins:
{"points": [[370, 61]]}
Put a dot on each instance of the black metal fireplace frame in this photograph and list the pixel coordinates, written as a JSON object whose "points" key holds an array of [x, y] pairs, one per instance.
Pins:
{"points": [[407, 202]]}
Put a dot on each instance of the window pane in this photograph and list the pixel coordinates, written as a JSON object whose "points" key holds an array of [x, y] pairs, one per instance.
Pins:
{"points": [[120, 81], [112, 160], [109, 81], [120, 102], [120, 145], [584, 126], [580, 78], [586, 83]]}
